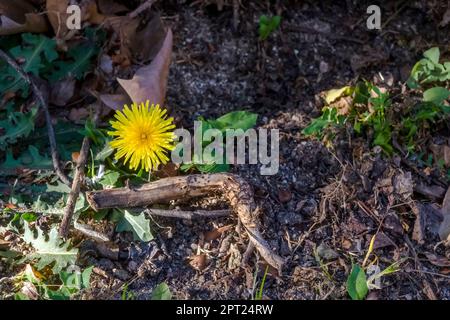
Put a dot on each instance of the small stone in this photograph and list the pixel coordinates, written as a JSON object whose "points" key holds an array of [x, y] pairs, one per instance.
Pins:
{"points": [[326, 252], [284, 195]]}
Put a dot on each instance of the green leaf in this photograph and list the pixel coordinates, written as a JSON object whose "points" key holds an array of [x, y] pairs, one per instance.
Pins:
{"points": [[268, 25], [16, 126], [436, 95], [161, 292], [78, 65], [357, 283], [52, 251], [59, 187], [235, 120], [109, 179], [75, 281], [318, 125], [37, 51], [105, 152], [30, 159], [334, 94], [212, 167], [137, 224], [432, 54]]}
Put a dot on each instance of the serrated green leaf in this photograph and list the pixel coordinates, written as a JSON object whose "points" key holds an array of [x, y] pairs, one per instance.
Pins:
{"points": [[16, 126], [109, 179], [53, 251], [31, 159], [235, 120], [137, 224], [78, 65], [357, 283], [36, 51], [106, 151], [59, 187]]}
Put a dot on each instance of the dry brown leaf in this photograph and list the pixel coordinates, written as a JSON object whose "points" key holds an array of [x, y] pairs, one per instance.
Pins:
{"points": [[150, 82], [168, 170], [444, 228], [198, 262], [4, 244], [19, 16], [92, 15], [57, 15], [75, 156], [284, 195], [446, 17], [115, 101], [437, 260], [141, 43], [62, 91], [78, 115], [216, 233], [110, 7]]}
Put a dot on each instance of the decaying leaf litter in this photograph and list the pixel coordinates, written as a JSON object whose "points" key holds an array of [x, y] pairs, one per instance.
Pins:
{"points": [[321, 213]]}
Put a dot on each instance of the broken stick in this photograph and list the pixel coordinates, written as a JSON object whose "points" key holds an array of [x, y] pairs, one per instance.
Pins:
{"points": [[188, 215], [235, 189], [48, 120]]}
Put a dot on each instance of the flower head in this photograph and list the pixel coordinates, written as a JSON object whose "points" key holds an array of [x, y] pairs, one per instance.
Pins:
{"points": [[142, 135]]}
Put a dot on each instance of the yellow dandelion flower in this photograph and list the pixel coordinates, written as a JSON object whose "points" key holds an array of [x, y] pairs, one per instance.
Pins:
{"points": [[142, 135]]}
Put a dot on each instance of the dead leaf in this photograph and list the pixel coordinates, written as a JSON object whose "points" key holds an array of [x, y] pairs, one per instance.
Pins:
{"points": [[62, 92], [326, 253], [437, 260], [75, 156], [446, 17], [78, 115], [216, 233], [19, 16], [138, 42], [381, 241], [150, 82], [235, 257], [106, 64], [111, 7], [441, 152], [92, 15], [346, 244], [57, 15], [30, 290], [10, 206], [284, 195], [444, 228], [4, 244], [428, 219], [170, 169], [115, 101], [403, 185], [198, 262], [343, 105]]}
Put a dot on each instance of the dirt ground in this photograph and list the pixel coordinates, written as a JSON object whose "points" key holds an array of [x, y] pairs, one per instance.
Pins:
{"points": [[324, 201], [324, 205]]}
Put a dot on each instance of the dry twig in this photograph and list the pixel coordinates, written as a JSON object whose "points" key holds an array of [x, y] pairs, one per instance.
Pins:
{"points": [[145, 6], [189, 215], [43, 104], [75, 191], [235, 189]]}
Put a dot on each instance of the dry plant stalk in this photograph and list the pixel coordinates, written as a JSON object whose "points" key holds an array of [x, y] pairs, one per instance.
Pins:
{"points": [[235, 189]]}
